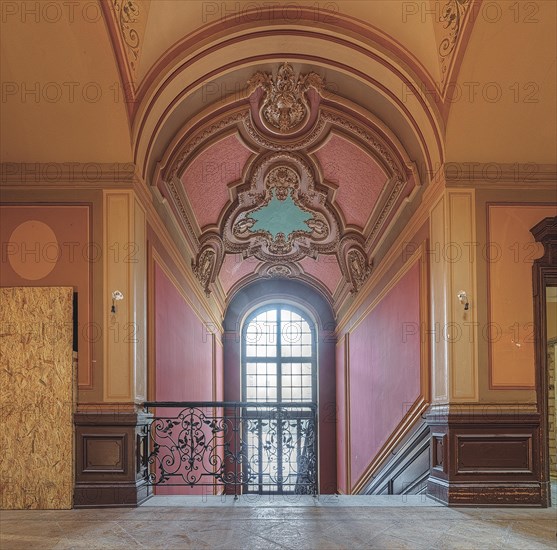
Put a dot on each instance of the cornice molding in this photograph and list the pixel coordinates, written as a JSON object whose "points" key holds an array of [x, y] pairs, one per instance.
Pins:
{"points": [[467, 413], [50, 175], [495, 175]]}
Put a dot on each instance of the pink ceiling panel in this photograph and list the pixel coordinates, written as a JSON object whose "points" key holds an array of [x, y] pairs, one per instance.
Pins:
{"points": [[206, 178], [359, 177], [234, 268], [325, 269]]}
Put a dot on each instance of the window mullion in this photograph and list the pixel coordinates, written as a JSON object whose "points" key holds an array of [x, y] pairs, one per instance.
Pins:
{"points": [[279, 356]]}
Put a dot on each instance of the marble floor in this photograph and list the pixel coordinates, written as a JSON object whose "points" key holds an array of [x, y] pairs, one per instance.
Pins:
{"points": [[364, 522]]}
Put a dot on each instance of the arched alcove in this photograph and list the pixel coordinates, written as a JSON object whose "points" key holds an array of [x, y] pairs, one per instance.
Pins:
{"points": [[315, 304]]}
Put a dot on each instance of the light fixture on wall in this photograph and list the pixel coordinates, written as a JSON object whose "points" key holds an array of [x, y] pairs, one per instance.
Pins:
{"points": [[463, 298], [116, 296]]}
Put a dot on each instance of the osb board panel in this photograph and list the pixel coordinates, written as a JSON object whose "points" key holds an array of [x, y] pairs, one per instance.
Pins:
{"points": [[36, 398]]}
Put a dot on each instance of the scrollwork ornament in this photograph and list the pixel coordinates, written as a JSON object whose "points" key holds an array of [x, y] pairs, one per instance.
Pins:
{"points": [[204, 268], [358, 268], [279, 271], [452, 14], [282, 179], [128, 15]]}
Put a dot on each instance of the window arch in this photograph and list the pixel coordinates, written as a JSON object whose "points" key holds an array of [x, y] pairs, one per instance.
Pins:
{"points": [[253, 298], [279, 355]]}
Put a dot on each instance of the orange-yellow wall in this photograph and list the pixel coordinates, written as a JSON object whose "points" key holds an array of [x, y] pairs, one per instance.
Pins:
{"points": [[512, 251]]}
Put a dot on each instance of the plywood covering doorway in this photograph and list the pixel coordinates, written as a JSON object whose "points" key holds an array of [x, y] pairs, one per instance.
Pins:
{"points": [[36, 398]]}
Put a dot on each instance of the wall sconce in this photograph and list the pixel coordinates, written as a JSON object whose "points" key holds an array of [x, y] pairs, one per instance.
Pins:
{"points": [[463, 298], [116, 296]]}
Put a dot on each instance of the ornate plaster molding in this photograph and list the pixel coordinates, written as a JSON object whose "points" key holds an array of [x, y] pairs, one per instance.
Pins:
{"points": [[370, 141], [177, 164], [307, 140], [453, 15], [184, 213], [398, 185], [127, 13], [353, 261], [208, 261], [281, 176], [279, 270], [284, 172], [285, 107]]}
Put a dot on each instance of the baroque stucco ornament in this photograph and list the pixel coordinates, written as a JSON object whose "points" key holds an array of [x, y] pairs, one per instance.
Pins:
{"points": [[285, 107], [281, 216], [452, 15], [203, 268], [358, 267], [127, 13], [208, 261], [281, 211]]}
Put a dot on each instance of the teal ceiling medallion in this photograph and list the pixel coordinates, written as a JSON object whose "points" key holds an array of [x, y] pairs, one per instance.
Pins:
{"points": [[282, 216]]}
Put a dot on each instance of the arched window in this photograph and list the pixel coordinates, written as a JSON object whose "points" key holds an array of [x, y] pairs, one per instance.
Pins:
{"points": [[316, 445], [279, 359], [279, 367]]}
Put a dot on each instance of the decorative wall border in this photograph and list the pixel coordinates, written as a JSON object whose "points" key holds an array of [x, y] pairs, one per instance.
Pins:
{"points": [[72, 175]]}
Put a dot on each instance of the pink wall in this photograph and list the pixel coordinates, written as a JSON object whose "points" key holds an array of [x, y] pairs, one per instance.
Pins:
{"points": [[219, 373], [183, 348], [183, 356], [384, 370]]}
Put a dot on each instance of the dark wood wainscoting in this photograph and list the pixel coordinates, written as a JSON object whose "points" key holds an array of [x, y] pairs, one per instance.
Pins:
{"points": [[109, 468], [485, 456]]}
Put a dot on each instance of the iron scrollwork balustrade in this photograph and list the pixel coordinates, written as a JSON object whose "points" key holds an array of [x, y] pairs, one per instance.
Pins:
{"points": [[239, 447]]}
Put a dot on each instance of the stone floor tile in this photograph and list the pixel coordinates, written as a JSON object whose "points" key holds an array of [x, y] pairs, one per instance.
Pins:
{"points": [[279, 528]]}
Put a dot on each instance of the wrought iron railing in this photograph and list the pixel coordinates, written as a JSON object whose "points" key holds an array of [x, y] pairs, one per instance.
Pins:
{"points": [[234, 447]]}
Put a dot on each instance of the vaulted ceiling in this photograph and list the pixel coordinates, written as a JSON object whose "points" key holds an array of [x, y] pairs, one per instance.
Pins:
{"points": [[292, 178], [190, 92]]}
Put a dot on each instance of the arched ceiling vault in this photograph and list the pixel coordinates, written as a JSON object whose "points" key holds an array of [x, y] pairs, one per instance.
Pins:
{"points": [[285, 179], [374, 136], [171, 74]]}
